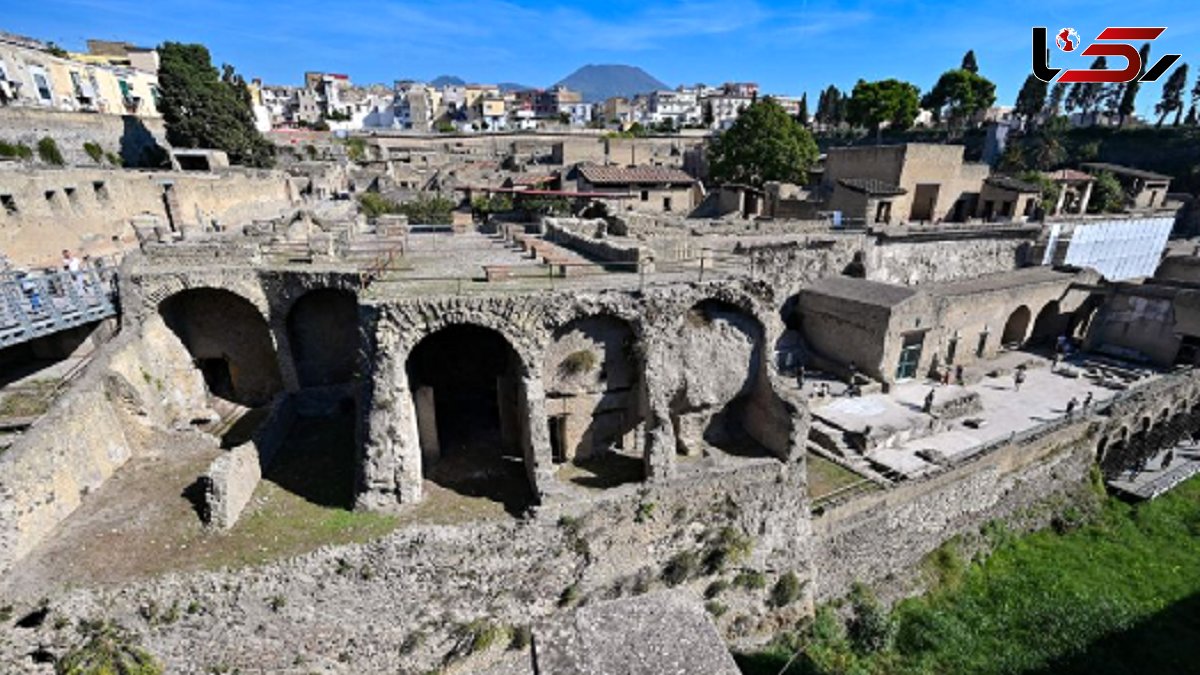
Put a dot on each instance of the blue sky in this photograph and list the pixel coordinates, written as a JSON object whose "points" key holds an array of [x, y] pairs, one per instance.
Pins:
{"points": [[787, 47]]}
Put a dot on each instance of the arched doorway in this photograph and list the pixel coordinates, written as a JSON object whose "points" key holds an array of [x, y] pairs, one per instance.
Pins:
{"points": [[471, 414], [593, 406], [1016, 327], [229, 342], [1049, 325], [323, 333]]}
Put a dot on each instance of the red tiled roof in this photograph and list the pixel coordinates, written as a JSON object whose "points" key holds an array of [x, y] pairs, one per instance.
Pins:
{"points": [[615, 175]]}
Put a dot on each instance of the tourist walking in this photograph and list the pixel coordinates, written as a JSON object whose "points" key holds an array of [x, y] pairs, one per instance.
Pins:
{"points": [[928, 402], [1018, 379], [1087, 403], [1071, 406]]}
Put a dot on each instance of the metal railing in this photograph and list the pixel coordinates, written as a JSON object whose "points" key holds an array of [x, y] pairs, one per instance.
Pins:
{"points": [[36, 306]]}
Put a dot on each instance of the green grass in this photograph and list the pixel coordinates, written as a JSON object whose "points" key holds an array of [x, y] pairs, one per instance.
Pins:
{"points": [[1119, 595], [825, 477]]}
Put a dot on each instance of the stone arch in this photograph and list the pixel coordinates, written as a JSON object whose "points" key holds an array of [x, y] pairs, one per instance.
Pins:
{"points": [[1016, 327], [323, 334], [1049, 324], [723, 397], [229, 340], [470, 392], [592, 375]]}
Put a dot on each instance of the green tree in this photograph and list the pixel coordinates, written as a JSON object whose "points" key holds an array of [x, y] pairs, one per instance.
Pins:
{"points": [[1087, 96], [969, 63], [764, 144], [1012, 160], [1050, 189], [1054, 102], [204, 109], [1130, 92], [959, 95], [893, 102], [1031, 100], [802, 114], [1172, 95], [830, 108], [1047, 147], [1107, 194]]}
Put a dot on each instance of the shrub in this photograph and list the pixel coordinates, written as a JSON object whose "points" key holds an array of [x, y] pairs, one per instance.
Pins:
{"points": [[18, 150], [356, 149], [715, 608], [872, 628], [521, 638], [681, 567], [730, 546], [48, 151], [750, 580], [715, 588], [569, 596], [428, 211], [944, 566], [94, 151], [578, 363], [107, 648], [786, 590], [474, 637], [374, 204]]}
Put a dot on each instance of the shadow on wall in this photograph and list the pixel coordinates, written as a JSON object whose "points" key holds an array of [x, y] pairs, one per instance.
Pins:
{"points": [[139, 147], [229, 342]]}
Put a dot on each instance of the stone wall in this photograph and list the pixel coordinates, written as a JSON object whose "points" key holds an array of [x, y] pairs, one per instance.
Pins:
{"points": [[887, 534], [139, 381], [90, 210], [130, 137], [919, 260], [400, 604]]}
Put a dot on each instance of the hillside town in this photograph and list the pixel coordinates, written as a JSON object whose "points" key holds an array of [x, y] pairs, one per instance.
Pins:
{"points": [[606, 376]]}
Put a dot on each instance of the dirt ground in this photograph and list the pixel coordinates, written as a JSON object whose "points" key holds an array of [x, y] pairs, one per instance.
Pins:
{"points": [[142, 522]]}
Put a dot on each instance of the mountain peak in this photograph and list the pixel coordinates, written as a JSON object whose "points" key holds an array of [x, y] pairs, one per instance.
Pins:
{"points": [[598, 82]]}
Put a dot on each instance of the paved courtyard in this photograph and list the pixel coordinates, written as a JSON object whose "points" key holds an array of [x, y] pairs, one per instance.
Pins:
{"points": [[906, 433]]}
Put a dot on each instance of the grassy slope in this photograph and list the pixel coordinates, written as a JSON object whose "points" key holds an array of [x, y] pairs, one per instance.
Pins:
{"points": [[1121, 595]]}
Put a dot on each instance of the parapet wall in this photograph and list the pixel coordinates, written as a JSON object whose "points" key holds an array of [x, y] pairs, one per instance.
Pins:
{"points": [[130, 137]]}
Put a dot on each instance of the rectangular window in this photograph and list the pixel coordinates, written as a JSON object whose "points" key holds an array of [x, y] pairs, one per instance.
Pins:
{"points": [[645, 195], [70, 193], [43, 87], [9, 203], [100, 190]]}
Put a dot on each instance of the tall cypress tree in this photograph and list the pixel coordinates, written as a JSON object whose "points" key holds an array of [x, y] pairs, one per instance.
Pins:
{"points": [[1129, 94], [802, 115], [969, 63]]}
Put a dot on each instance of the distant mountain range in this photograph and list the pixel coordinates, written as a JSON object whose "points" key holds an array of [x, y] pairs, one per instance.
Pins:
{"points": [[600, 82], [595, 82], [454, 80]]}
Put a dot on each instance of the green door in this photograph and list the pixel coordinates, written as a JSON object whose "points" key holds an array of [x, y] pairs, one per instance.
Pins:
{"points": [[910, 356]]}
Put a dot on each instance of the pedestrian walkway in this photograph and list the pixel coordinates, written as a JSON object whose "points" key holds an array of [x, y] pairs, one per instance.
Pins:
{"points": [[1155, 479], [36, 306]]}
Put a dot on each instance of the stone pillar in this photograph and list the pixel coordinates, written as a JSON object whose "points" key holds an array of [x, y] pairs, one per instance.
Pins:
{"points": [[284, 356], [431, 449], [1087, 196], [390, 470], [535, 435], [1062, 196]]}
